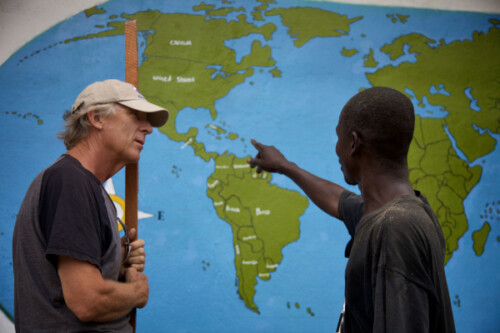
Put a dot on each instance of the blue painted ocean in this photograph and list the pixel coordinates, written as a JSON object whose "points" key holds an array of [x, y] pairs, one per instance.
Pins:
{"points": [[190, 254]]}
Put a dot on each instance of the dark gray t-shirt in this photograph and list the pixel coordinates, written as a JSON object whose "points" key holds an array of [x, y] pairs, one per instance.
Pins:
{"points": [[395, 279], [66, 212]]}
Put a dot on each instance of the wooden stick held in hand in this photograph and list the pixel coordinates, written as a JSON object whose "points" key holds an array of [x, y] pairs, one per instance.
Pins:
{"points": [[131, 170]]}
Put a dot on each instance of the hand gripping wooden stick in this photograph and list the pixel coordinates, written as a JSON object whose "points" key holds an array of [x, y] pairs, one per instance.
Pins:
{"points": [[131, 170]]}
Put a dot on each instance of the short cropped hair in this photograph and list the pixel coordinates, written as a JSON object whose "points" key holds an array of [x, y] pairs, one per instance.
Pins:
{"points": [[77, 126], [384, 118]]}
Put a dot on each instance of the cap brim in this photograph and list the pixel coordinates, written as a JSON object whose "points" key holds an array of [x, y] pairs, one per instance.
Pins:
{"points": [[157, 116]]}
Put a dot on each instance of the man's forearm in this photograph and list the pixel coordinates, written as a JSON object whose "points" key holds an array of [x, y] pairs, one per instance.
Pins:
{"points": [[116, 300], [92, 298], [323, 193]]}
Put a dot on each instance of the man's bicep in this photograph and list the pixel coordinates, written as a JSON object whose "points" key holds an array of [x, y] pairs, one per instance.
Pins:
{"points": [[79, 281], [76, 274], [350, 210], [334, 193]]}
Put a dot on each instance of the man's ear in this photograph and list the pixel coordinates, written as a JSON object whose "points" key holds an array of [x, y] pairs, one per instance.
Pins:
{"points": [[95, 119], [355, 143]]}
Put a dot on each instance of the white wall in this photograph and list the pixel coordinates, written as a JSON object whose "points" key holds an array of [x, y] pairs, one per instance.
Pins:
{"points": [[22, 20]]}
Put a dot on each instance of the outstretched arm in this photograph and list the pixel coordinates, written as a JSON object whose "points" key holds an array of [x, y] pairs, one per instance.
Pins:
{"points": [[323, 193]]}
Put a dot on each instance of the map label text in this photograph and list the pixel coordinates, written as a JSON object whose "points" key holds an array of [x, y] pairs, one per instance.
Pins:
{"points": [[181, 79], [162, 78], [175, 42], [258, 212]]}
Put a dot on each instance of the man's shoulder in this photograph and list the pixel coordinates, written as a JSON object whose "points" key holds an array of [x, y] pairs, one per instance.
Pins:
{"points": [[407, 207], [63, 164], [349, 203], [406, 217], [68, 171]]}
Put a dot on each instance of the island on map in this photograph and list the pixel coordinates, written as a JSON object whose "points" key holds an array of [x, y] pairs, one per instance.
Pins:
{"points": [[480, 236], [28, 115], [305, 23]]}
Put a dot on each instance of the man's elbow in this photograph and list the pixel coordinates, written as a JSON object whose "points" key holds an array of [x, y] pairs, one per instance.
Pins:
{"points": [[86, 306], [91, 305]]}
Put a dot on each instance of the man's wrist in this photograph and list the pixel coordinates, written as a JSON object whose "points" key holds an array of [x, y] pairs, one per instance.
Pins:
{"points": [[286, 167]]}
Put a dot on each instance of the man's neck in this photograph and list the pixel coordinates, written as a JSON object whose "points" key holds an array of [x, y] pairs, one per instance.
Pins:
{"points": [[91, 159], [379, 189]]}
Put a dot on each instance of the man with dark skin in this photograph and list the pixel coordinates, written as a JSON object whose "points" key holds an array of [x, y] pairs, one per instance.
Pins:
{"points": [[395, 280]]}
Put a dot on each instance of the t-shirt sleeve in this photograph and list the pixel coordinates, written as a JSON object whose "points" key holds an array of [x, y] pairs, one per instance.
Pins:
{"points": [[403, 293], [69, 218], [399, 304], [351, 208]]}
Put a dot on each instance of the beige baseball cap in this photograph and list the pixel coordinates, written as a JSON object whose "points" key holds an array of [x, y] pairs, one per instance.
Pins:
{"points": [[116, 91]]}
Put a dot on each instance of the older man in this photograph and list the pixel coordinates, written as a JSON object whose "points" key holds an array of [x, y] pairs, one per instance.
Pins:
{"points": [[394, 279], [71, 272]]}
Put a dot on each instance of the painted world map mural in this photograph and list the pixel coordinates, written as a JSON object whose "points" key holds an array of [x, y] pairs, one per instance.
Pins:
{"points": [[229, 249]]}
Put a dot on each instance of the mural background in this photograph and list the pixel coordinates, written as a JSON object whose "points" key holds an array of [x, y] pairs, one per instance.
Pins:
{"points": [[227, 250]]}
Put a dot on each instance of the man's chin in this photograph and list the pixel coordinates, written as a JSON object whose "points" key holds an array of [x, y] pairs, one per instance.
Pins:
{"points": [[133, 159], [350, 181], [346, 178]]}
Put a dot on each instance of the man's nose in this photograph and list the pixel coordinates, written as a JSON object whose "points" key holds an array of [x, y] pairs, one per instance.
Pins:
{"points": [[146, 126]]}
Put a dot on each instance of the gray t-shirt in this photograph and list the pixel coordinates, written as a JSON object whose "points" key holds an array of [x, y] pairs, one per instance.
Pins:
{"points": [[395, 278], [66, 212]]}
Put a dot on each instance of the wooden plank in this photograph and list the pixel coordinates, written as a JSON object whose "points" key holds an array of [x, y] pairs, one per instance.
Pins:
{"points": [[131, 170]]}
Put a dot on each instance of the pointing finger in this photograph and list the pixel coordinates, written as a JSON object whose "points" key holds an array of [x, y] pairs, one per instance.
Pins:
{"points": [[259, 146]]}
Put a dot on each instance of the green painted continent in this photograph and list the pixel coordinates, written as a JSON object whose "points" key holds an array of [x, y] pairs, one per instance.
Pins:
{"points": [[186, 56], [305, 23], [261, 227], [435, 167]]}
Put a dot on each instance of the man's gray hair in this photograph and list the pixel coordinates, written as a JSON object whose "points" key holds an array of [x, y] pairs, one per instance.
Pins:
{"points": [[77, 126]]}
